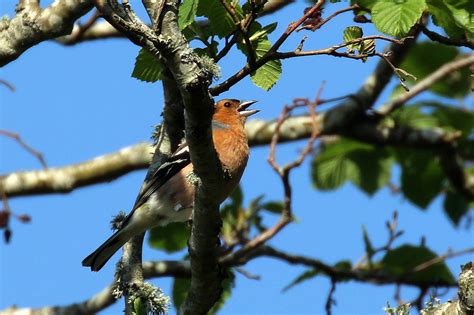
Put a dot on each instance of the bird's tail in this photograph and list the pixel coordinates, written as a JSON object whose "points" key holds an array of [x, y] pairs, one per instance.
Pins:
{"points": [[101, 255]]}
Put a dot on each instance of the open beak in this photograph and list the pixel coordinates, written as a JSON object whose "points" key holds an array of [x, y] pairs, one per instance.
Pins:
{"points": [[243, 109]]}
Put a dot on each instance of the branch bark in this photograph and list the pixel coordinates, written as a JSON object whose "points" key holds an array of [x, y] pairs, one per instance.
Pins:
{"points": [[32, 25]]}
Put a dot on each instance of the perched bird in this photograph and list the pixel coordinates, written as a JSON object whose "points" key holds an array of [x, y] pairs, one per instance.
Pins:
{"points": [[168, 195]]}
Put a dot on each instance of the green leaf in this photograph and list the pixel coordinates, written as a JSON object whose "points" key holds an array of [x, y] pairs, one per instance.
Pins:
{"points": [[368, 4], [366, 166], [171, 238], [138, 307], [309, 274], [396, 17], [268, 74], [262, 32], [444, 18], [452, 118], [413, 117], [180, 290], [237, 197], [351, 33], [455, 205], [373, 169], [343, 265], [421, 178], [273, 206], [455, 84], [221, 21], [230, 212], [463, 13], [187, 13], [402, 260], [147, 67], [369, 249], [227, 286]]}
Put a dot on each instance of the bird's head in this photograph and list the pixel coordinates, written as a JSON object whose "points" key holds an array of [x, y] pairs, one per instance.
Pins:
{"points": [[228, 111]]}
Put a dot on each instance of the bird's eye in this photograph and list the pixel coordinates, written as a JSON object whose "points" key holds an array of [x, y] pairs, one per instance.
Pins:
{"points": [[227, 104]]}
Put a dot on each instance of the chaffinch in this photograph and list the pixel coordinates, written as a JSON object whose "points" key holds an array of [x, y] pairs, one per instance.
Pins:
{"points": [[168, 196]]}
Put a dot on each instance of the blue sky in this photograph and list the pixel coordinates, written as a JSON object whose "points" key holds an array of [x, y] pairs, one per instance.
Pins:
{"points": [[75, 103]]}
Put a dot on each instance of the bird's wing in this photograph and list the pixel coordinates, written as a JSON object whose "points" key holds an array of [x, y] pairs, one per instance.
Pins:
{"points": [[168, 169]]}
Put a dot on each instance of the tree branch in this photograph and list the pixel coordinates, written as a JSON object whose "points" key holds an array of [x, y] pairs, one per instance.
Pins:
{"points": [[32, 25], [426, 83], [446, 40]]}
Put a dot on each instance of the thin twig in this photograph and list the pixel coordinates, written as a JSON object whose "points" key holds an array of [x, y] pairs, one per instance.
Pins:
{"points": [[397, 71], [330, 299], [293, 26], [82, 28], [329, 18], [251, 55], [426, 83], [247, 274], [8, 85], [274, 55], [436, 260], [27, 147]]}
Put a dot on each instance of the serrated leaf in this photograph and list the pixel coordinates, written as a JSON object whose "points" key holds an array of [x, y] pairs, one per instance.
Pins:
{"points": [[443, 17], [395, 17], [147, 67], [366, 166], [373, 169], [180, 290], [456, 84], [351, 33], [267, 75], [221, 21], [309, 274], [187, 13], [171, 238], [455, 206], [463, 13], [421, 177], [402, 260]]}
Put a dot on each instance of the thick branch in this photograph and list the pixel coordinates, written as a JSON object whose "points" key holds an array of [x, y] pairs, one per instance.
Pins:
{"points": [[64, 179], [32, 25]]}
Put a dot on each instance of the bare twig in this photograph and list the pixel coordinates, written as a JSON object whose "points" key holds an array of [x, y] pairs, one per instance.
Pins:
{"points": [[79, 31], [293, 26], [10, 86], [427, 82], [439, 259], [283, 172], [242, 30], [330, 299], [273, 55], [27, 147], [329, 18]]}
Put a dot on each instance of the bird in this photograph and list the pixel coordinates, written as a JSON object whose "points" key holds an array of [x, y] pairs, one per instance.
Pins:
{"points": [[168, 195]]}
